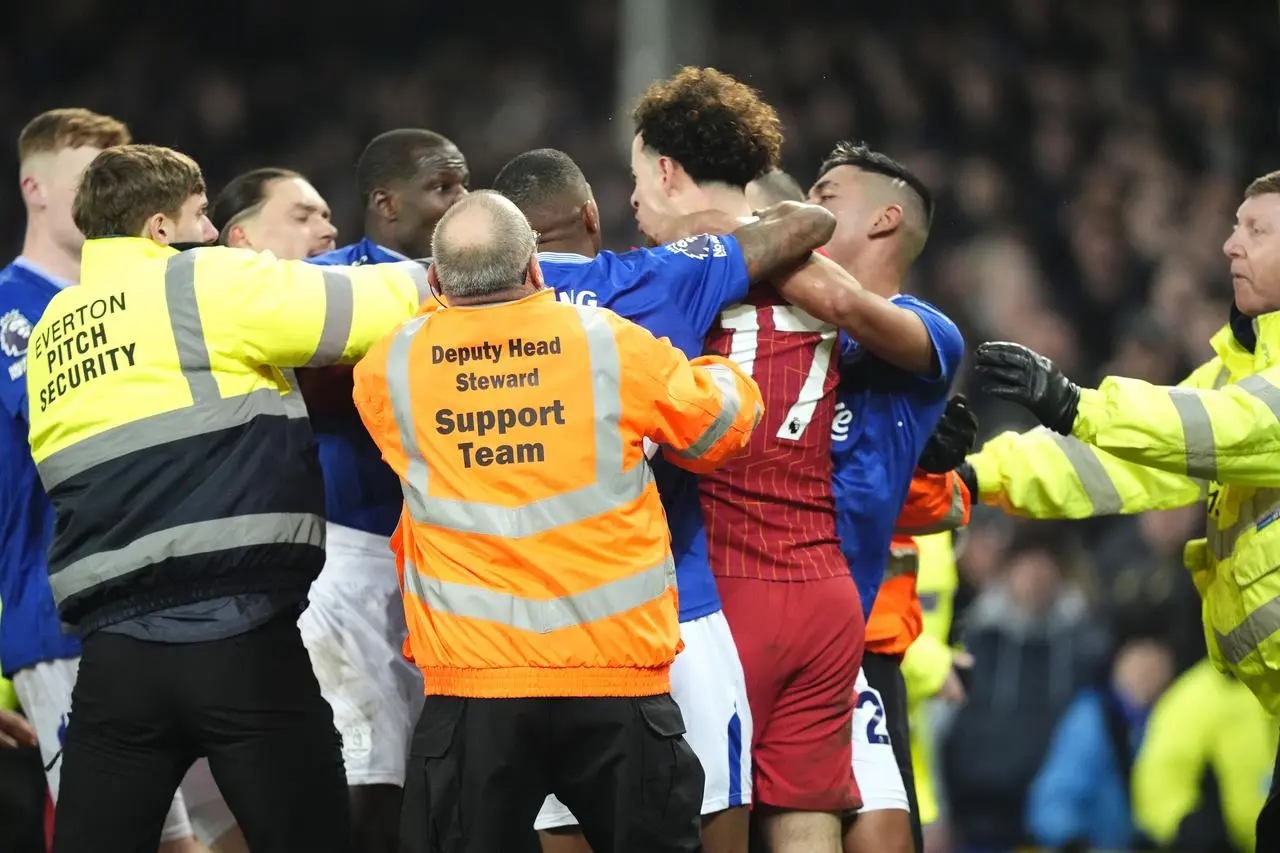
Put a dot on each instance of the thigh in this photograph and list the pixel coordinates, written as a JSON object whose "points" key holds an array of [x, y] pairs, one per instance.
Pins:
{"points": [[751, 609], [22, 801], [708, 684], [45, 693], [124, 755], [884, 673], [258, 714], [475, 779], [875, 767], [208, 812], [624, 768], [354, 631], [804, 760]]}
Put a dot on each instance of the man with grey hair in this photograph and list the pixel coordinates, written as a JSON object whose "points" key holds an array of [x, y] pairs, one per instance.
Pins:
{"points": [[482, 249], [538, 579]]}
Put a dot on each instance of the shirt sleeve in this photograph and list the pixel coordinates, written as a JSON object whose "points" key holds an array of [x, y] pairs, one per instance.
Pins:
{"points": [[295, 314], [948, 343], [15, 334], [704, 275]]}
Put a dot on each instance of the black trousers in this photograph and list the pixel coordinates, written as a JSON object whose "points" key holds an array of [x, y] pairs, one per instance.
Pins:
{"points": [[479, 770], [884, 673], [22, 795], [1268, 828], [142, 712]]}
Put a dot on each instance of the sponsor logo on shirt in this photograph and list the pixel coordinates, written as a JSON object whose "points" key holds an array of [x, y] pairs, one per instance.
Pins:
{"points": [[699, 247], [840, 423], [15, 332]]}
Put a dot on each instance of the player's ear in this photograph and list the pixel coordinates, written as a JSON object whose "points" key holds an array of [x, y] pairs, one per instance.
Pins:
{"points": [[886, 221], [385, 203], [669, 174], [591, 217], [534, 273], [32, 190], [433, 281]]}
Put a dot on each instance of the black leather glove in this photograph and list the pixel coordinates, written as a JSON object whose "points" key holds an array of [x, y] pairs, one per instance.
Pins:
{"points": [[970, 479], [953, 437], [1023, 376]]}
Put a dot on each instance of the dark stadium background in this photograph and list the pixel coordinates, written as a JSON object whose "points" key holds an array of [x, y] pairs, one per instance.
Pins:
{"points": [[1088, 155]]}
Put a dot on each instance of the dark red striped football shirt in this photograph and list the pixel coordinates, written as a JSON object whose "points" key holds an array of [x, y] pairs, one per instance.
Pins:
{"points": [[770, 513]]}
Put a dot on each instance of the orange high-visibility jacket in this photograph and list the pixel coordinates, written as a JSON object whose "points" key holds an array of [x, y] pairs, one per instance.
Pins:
{"points": [[935, 502], [534, 553]]}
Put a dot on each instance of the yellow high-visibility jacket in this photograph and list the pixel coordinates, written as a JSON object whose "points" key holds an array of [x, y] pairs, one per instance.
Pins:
{"points": [[1140, 447], [927, 662], [1205, 721], [167, 428]]}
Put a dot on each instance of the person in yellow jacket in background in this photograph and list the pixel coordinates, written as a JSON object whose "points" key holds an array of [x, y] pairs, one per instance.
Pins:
{"points": [[536, 567], [1129, 446], [1206, 722], [930, 663]]}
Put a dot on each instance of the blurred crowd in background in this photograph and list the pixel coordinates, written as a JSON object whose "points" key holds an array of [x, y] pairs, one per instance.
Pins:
{"points": [[1087, 155]]}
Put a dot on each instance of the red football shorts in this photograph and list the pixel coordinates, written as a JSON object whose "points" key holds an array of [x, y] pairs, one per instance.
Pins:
{"points": [[801, 646]]}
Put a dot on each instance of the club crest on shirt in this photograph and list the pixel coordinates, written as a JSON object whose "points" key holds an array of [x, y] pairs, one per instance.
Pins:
{"points": [[698, 247], [15, 332]]}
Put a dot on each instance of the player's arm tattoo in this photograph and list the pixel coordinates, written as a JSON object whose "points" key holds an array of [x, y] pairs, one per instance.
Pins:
{"points": [[783, 237]]}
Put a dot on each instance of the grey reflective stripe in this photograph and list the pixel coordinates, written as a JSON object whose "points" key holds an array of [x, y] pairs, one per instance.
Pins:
{"points": [[1221, 379], [541, 616], [339, 309], [188, 330], [187, 540], [902, 561], [209, 412], [729, 407], [1261, 505], [1093, 476], [613, 486], [163, 428], [950, 521], [294, 405], [1197, 433], [1238, 643], [1262, 389], [418, 273]]}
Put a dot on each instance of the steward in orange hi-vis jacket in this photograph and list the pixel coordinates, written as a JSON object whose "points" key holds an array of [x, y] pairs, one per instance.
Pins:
{"points": [[538, 580], [935, 502]]}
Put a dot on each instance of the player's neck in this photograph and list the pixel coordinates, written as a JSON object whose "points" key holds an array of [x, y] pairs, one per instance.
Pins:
{"points": [[42, 251], [568, 246], [384, 236], [879, 279], [725, 199]]}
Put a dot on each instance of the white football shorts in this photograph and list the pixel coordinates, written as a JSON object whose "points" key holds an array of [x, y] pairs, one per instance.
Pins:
{"points": [[708, 685], [874, 766], [45, 693], [354, 629]]}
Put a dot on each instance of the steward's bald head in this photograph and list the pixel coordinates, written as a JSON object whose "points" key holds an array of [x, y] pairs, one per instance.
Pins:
{"points": [[482, 245]]}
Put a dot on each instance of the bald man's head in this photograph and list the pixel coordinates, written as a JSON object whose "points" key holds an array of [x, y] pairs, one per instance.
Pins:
{"points": [[482, 245]]}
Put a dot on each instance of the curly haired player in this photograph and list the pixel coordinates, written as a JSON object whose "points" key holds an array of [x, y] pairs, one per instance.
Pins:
{"points": [[701, 138]]}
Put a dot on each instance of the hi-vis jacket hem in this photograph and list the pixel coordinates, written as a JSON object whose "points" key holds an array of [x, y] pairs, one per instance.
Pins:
{"points": [[167, 427], [1139, 447], [534, 553], [527, 682]]}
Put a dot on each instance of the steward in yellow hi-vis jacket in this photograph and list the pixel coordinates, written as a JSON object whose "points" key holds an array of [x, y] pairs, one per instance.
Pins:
{"points": [[1129, 446], [539, 584], [189, 508]]}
